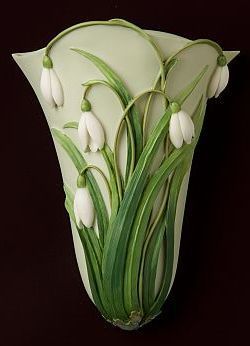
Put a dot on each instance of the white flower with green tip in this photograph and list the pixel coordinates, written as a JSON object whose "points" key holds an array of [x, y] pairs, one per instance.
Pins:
{"points": [[90, 130], [50, 84], [181, 127], [83, 205], [219, 79]]}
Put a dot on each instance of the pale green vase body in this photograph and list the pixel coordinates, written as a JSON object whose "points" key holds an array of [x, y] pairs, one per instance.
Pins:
{"points": [[136, 63]]}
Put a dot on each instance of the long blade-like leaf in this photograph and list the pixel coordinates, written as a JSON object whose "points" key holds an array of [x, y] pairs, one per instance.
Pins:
{"points": [[170, 223], [80, 164], [93, 256], [116, 244], [119, 86]]}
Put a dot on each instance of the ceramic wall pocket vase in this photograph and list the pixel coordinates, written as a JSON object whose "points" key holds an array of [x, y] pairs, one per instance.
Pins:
{"points": [[125, 108]]}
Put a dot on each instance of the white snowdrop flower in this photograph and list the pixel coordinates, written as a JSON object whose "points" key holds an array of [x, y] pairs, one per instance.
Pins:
{"points": [[90, 130], [50, 84], [181, 126], [83, 205], [219, 79]]}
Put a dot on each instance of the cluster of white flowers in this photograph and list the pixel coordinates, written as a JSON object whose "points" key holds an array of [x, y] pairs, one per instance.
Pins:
{"points": [[181, 127], [91, 133], [92, 137]]}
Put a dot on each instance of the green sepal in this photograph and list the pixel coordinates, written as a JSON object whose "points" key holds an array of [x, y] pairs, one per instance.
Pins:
{"points": [[47, 62], [85, 105], [221, 60]]}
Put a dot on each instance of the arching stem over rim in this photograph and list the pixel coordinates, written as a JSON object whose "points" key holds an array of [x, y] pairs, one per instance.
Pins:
{"points": [[112, 22]]}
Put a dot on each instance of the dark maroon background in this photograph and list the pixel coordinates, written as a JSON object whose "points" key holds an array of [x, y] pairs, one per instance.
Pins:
{"points": [[42, 300]]}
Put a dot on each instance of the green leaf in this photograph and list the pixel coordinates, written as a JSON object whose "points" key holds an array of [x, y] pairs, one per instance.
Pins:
{"points": [[170, 223], [120, 88], [93, 256], [183, 95], [109, 159], [71, 125], [119, 234], [150, 265], [80, 164], [138, 232], [176, 183], [69, 202], [94, 274]]}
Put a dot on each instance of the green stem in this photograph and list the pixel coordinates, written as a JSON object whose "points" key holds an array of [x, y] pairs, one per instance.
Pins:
{"points": [[126, 110], [103, 176], [88, 85], [146, 110], [194, 43], [112, 22], [109, 159]]}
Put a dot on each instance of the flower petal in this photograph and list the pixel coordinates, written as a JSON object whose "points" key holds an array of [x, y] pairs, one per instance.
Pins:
{"points": [[187, 126], [213, 85], [78, 221], [83, 133], [175, 133], [45, 85], [56, 87], [85, 206], [224, 78], [95, 129], [93, 146]]}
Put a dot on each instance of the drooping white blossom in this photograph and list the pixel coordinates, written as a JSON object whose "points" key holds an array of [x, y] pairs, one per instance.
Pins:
{"points": [[181, 128], [219, 79], [91, 132], [50, 84], [84, 208]]}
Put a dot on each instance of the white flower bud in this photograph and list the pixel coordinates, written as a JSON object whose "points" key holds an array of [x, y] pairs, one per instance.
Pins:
{"points": [[181, 129], [91, 133], [50, 84], [84, 208], [219, 79]]}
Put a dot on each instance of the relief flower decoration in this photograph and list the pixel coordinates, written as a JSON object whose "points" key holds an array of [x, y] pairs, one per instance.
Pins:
{"points": [[181, 127], [50, 84], [90, 130], [83, 205], [220, 78]]}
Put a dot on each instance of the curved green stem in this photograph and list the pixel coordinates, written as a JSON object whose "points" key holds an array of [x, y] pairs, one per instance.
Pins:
{"points": [[167, 67], [146, 110], [88, 85], [146, 37], [116, 144], [112, 22], [103, 176], [126, 110], [194, 43], [94, 82]]}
